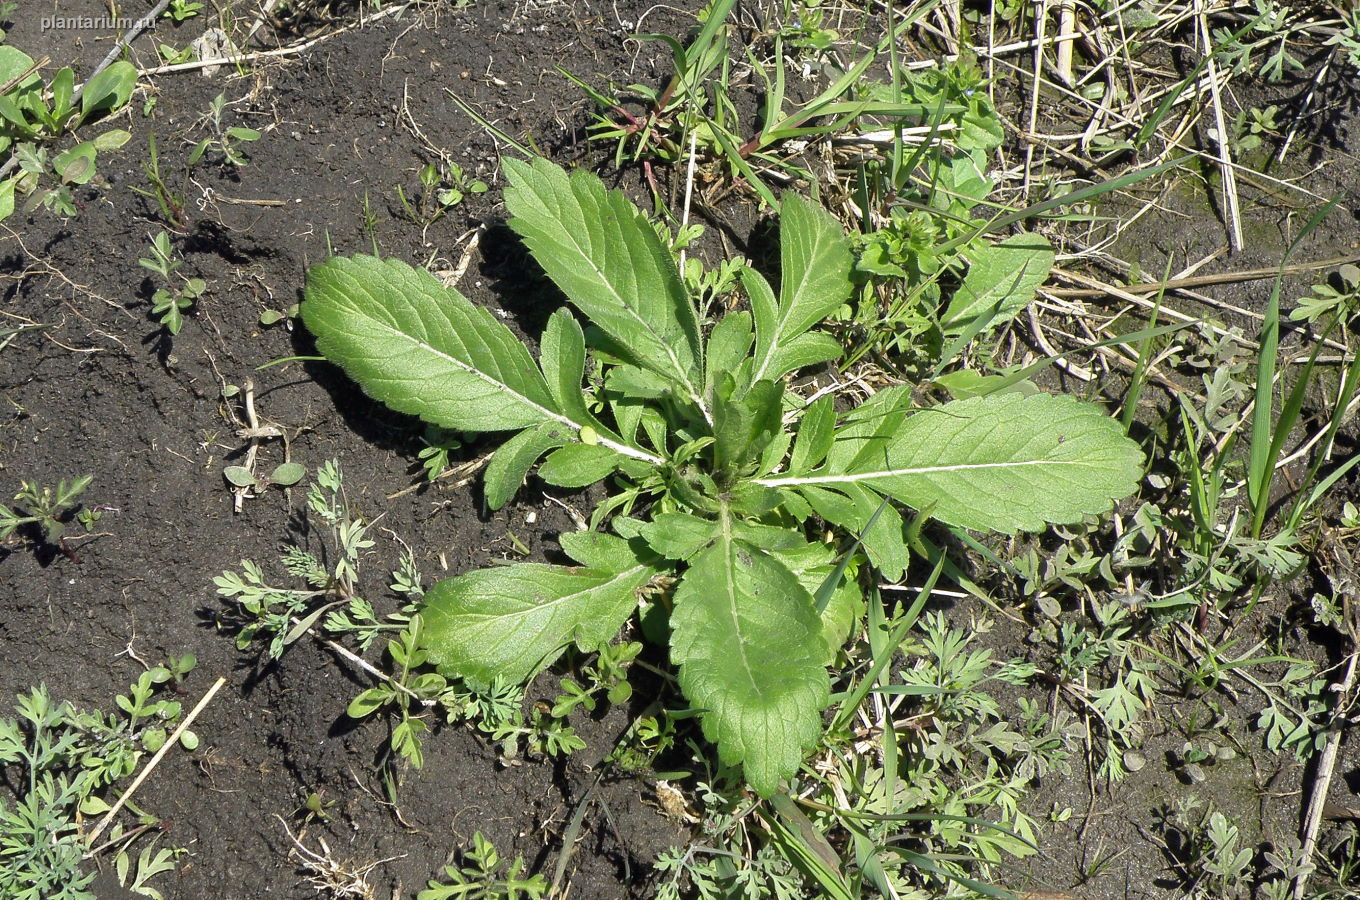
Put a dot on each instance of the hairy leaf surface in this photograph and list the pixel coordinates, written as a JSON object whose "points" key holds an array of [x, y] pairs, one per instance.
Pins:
{"points": [[1000, 283], [607, 259], [422, 348], [514, 620], [815, 260], [1003, 462], [751, 654]]}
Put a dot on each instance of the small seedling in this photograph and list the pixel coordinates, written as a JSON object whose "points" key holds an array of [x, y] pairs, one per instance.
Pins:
{"points": [[46, 508], [169, 303], [224, 141], [284, 475], [62, 760], [315, 807], [485, 875], [170, 202], [442, 187], [275, 316], [245, 479], [34, 113], [180, 10]]}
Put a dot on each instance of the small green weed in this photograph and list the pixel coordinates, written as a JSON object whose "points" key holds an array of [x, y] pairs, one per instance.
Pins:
{"points": [[63, 759], [34, 113], [224, 143], [484, 875], [179, 294], [695, 428], [443, 186]]}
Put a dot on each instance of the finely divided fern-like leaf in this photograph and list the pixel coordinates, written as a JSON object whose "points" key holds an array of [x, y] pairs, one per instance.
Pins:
{"points": [[1002, 462], [609, 262], [422, 348], [751, 654]]}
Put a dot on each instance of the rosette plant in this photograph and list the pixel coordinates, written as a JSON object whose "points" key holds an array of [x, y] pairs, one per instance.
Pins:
{"points": [[723, 481]]}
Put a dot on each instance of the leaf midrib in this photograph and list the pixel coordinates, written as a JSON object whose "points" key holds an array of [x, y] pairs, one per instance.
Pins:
{"points": [[632, 314], [729, 583], [544, 411], [850, 477], [549, 604]]}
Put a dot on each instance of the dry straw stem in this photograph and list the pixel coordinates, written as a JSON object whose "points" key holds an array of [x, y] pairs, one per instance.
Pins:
{"points": [[171, 741], [128, 37], [1325, 769], [291, 50]]}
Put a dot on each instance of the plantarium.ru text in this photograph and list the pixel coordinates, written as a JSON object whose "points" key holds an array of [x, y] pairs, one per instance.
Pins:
{"points": [[721, 474]]}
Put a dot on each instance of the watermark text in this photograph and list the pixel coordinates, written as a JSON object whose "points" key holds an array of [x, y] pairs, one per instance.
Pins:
{"points": [[92, 23]]}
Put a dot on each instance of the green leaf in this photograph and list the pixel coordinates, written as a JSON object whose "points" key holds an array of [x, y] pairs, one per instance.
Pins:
{"points": [[286, 474], [599, 551], [239, 476], [369, 702], [110, 90], [63, 84], [816, 432], [1000, 283], [512, 621], [578, 465], [76, 165], [1003, 462], [729, 345], [422, 348], [509, 465], [112, 139], [562, 356], [13, 63], [852, 508], [610, 263], [750, 651], [815, 263], [743, 424], [7, 197], [678, 535]]}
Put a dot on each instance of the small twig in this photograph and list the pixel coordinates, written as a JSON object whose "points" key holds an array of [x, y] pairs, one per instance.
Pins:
{"points": [[128, 37], [237, 58], [155, 760], [1326, 767], [13, 82], [1221, 124]]}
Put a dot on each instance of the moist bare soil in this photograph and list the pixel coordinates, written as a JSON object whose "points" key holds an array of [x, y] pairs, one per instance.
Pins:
{"points": [[103, 390]]}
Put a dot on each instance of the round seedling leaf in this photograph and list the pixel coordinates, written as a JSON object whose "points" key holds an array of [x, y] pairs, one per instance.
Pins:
{"points": [[288, 474], [271, 317], [240, 476], [153, 739], [188, 740], [112, 140]]}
